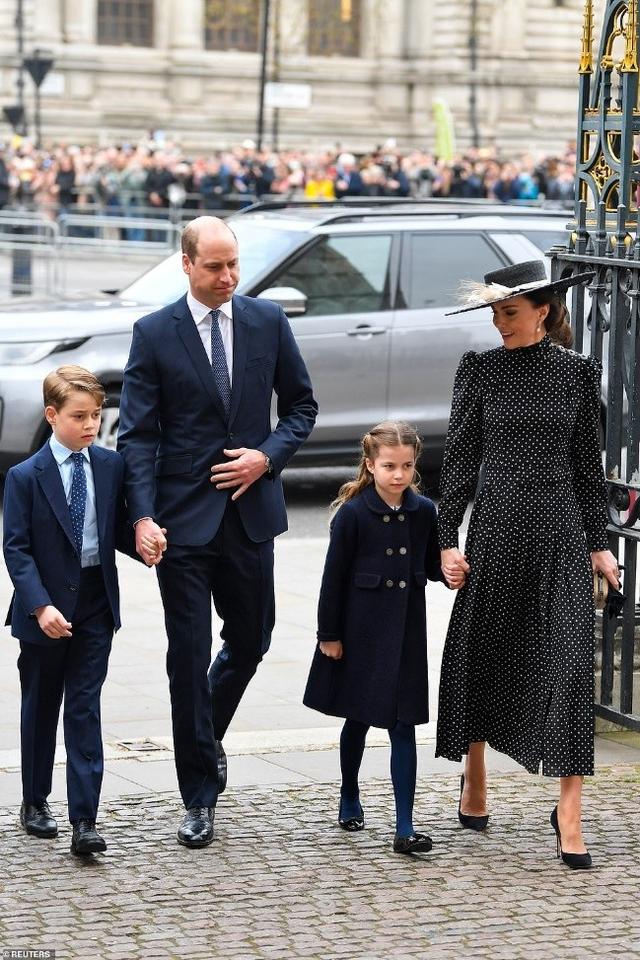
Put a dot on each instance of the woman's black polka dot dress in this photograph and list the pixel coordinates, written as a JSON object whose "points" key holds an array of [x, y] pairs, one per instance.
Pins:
{"points": [[517, 669]]}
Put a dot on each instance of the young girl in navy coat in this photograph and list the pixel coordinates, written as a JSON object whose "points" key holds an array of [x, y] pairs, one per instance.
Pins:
{"points": [[370, 665]]}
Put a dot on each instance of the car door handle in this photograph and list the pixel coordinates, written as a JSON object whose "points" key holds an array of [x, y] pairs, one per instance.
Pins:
{"points": [[365, 330]]}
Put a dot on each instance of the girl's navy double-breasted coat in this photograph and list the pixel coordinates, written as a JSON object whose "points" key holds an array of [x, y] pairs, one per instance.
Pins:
{"points": [[372, 599]]}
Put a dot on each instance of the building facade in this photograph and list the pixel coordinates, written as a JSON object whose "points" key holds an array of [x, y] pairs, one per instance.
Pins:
{"points": [[506, 69]]}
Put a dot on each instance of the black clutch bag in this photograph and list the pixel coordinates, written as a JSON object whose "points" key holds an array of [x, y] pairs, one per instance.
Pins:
{"points": [[606, 597]]}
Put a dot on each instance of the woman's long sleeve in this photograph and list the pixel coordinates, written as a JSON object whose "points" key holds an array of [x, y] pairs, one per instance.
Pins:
{"points": [[586, 458], [463, 450]]}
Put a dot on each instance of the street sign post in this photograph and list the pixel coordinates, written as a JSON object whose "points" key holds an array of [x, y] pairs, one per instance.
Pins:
{"points": [[38, 66]]}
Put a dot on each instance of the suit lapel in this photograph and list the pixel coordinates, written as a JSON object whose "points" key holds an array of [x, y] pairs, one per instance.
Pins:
{"points": [[101, 469], [240, 344], [51, 483], [190, 337]]}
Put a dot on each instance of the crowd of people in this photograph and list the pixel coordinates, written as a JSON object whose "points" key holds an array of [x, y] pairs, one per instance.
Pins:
{"points": [[126, 177]]}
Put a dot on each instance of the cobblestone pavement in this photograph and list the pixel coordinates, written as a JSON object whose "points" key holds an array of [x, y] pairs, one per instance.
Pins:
{"points": [[282, 881]]}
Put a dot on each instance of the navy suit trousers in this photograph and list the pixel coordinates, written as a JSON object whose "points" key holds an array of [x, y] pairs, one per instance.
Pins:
{"points": [[238, 574], [73, 667]]}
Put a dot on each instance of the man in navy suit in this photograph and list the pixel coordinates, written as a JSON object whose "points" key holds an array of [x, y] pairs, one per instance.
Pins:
{"points": [[64, 514], [202, 460]]}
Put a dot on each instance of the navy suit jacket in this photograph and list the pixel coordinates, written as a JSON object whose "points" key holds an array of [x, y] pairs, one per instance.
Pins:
{"points": [[39, 547], [173, 426]]}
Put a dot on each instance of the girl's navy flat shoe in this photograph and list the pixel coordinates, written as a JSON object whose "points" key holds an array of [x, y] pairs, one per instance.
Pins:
{"points": [[416, 843], [352, 824]]}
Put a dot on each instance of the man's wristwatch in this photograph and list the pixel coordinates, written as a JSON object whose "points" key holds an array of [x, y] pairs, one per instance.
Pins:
{"points": [[267, 463]]}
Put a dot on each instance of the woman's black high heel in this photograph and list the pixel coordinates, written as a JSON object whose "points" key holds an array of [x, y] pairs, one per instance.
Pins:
{"points": [[466, 819], [577, 861]]}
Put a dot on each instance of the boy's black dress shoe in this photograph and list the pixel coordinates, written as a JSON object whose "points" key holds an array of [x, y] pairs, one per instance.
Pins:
{"points": [[196, 829], [416, 843], [86, 839], [222, 767], [38, 820]]}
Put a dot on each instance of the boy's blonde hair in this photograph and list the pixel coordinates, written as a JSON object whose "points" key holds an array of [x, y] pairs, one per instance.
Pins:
{"points": [[61, 383], [389, 433]]}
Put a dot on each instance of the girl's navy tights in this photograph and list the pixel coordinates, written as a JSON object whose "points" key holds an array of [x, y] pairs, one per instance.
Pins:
{"points": [[403, 770]]}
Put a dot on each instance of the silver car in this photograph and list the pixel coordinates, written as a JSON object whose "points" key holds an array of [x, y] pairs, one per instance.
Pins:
{"points": [[366, 290]]}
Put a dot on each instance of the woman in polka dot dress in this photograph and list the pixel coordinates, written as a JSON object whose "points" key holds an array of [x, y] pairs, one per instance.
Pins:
{"points": [[517, 669]]}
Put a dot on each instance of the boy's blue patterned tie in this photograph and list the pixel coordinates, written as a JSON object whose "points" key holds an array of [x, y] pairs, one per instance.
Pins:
{"points": [[219, 362], [78, 501]]}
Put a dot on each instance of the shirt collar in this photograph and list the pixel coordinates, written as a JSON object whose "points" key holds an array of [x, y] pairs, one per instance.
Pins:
{"points": [[200, 310], [62, 453], [375, 502]]}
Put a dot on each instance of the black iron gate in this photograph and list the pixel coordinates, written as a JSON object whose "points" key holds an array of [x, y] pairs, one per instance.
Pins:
{"points": [[605, 317]]}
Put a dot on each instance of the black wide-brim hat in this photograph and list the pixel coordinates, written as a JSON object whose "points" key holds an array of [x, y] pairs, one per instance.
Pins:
{"points": [[514, 281]]}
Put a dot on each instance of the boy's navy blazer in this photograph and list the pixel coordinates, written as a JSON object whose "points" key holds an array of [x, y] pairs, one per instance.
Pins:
{"points": [[173, 426], [39, 547]]}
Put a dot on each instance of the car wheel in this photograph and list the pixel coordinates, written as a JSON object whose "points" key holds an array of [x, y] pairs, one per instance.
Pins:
{"points": [[108, 433]]}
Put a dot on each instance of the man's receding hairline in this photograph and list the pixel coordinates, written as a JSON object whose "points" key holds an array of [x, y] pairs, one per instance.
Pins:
{"points": [[192, 231]]}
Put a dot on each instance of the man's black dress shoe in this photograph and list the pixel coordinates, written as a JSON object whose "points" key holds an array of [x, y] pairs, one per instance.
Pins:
{"points": [[416, 843], [196, 829], [38, 820], [222, 767], [86, 839]]}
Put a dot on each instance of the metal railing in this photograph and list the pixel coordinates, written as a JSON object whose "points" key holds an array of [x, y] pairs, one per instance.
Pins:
{"points": [[115, 234], [606, 242], [25, 236], [610, 319], [39, 248]]}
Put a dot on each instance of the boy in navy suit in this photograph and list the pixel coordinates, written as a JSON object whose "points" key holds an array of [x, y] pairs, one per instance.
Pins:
{"points": [[63, 514]]}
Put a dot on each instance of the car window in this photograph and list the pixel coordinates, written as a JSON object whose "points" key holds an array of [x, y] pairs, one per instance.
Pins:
{"points": [[545, 239], [259, 245], [435, 264], [342, 274]]}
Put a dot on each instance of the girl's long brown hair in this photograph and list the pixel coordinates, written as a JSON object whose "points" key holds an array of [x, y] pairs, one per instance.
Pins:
{"points": [[389, 433]]}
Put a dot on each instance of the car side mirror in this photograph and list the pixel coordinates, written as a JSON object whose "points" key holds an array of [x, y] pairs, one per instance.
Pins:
{"points": [[292, 301]]}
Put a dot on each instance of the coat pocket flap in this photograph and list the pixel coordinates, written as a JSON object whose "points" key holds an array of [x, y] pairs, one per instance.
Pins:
{"points": [[263, 361], [420, 577], [367, 580], [167, 466]]}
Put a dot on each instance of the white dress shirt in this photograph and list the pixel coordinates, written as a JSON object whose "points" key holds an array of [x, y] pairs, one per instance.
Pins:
{"points": [[90, 542], [202, 318]]}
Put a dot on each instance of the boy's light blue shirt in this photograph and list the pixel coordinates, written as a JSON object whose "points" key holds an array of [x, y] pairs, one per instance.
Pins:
{"points": [[90, 542]]}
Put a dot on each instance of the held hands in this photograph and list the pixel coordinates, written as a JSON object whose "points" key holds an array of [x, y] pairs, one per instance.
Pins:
{"points": [[331, 648], [151, 541], [51, 622], [245, 467], [454, 567], [603, 561]]}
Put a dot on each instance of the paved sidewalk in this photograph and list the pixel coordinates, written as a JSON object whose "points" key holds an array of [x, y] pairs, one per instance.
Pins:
{"points": [[282, 881]]}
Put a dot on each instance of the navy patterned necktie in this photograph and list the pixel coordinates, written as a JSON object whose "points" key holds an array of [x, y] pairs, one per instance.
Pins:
{"points": [[219, 362], [78, 500]]}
